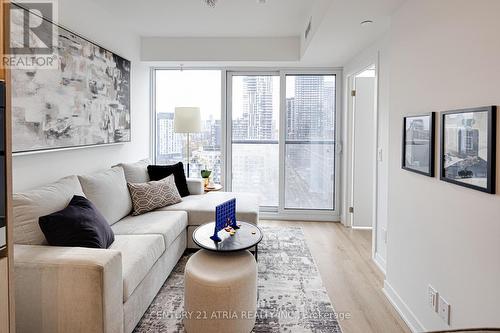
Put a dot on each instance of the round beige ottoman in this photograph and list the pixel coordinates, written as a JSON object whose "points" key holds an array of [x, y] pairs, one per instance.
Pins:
{"points": [[220, 292]]}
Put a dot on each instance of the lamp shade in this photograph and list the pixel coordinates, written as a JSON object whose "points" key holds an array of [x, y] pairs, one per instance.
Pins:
{"points": [[187, 120]]}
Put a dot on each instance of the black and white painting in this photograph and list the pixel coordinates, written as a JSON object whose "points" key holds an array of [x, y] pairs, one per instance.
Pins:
{"points": [[468, 148], [418, 144], [84, 101]]}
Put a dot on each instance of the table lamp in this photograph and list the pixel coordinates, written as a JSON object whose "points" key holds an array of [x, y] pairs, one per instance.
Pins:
{"points": [[187, 120]]}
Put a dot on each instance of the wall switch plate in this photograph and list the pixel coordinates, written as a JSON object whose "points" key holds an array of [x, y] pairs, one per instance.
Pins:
{"points": [[444, 310], [432, 298]]}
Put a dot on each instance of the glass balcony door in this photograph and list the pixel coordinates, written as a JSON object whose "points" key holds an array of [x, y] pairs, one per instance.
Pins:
{"points": [[309, 143], [281, 141], [253, 122]]}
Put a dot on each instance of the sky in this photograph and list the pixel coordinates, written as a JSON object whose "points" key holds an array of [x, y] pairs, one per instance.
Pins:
{"points": [[200, 88]]}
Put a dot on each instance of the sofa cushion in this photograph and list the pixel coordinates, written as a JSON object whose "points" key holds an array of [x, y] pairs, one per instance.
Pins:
{"points": [[196, 185], [136, 172], [201, 208], [154, 194], [108, 191], [80, 224], [139, 254], [168, 224], [28, 206]]}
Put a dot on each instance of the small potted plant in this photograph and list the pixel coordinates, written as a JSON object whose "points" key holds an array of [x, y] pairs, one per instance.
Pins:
{"points": [[205, 174]]}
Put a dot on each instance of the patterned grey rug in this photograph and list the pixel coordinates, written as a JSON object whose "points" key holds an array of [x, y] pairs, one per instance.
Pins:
{"points": [[291, 296]]}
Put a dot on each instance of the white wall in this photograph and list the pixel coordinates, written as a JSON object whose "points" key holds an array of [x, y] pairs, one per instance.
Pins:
{"points": [[444, 55], [90, 21], [378, 54]]}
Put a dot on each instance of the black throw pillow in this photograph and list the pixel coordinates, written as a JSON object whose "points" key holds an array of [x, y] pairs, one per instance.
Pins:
{"points": [[158, 172], [79, 224]]}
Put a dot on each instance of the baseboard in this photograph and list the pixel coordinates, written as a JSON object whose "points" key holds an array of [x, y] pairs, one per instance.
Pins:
{"points": [[404, 311], [380, 262]]}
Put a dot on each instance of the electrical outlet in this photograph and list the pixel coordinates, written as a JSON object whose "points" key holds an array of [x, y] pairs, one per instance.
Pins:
{"points": [[384, 232], [432, 298], [444, 310]]}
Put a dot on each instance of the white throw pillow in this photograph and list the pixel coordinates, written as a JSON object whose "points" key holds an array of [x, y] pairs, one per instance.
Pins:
{"points": [[108, 192]]}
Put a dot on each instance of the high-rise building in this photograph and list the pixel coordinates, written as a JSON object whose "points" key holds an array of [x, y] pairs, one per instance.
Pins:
{"points": [[290, 117], [169, 144], [215, 134], [311, 110], [328, 106], [256, 122]]}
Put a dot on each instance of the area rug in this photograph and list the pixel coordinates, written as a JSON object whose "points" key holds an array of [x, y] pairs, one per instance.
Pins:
{"points": [[291, 296]]}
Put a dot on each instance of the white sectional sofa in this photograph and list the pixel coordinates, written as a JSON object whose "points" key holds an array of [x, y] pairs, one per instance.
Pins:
{"points": [[65, 289]]}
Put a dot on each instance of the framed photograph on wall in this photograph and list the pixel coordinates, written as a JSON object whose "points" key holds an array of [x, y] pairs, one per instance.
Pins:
{"points": [[468, 148], [418, 144]]}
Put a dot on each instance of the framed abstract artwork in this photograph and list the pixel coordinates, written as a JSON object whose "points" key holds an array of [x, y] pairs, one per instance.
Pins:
{"points": [[418, 144], [83, 101], [468, 148]]}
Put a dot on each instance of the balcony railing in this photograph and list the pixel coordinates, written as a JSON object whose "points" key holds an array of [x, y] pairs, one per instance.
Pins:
{"points": [[275, 142]]}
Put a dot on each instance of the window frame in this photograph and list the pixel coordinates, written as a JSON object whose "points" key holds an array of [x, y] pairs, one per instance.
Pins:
{"points": [[311, 214]]}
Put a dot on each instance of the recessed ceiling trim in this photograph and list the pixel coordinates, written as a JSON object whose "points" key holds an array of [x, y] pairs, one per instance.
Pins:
{"points": [[220, 49]]}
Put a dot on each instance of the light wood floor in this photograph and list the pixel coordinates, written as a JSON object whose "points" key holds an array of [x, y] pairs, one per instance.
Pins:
{"points": [[353, 281]]}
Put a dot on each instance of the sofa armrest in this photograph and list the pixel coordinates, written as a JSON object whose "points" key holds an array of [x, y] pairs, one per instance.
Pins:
{"points": [[196, 186], [68, 289]]}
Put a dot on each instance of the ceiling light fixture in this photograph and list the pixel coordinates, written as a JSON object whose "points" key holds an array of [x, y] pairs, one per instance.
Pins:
{"points": [[210, 3], [366, 22]]}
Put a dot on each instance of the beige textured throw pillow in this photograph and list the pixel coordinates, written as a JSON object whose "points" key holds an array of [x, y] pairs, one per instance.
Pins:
{"points": [[155, 194]]}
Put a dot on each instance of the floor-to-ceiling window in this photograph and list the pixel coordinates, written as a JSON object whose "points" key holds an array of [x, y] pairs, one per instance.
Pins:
{"points": [[192, 88], [271, 133]]}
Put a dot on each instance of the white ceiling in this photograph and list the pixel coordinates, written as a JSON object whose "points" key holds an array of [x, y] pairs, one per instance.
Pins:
{"points": [[337, 31], [341, 36], [230, 18]]}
